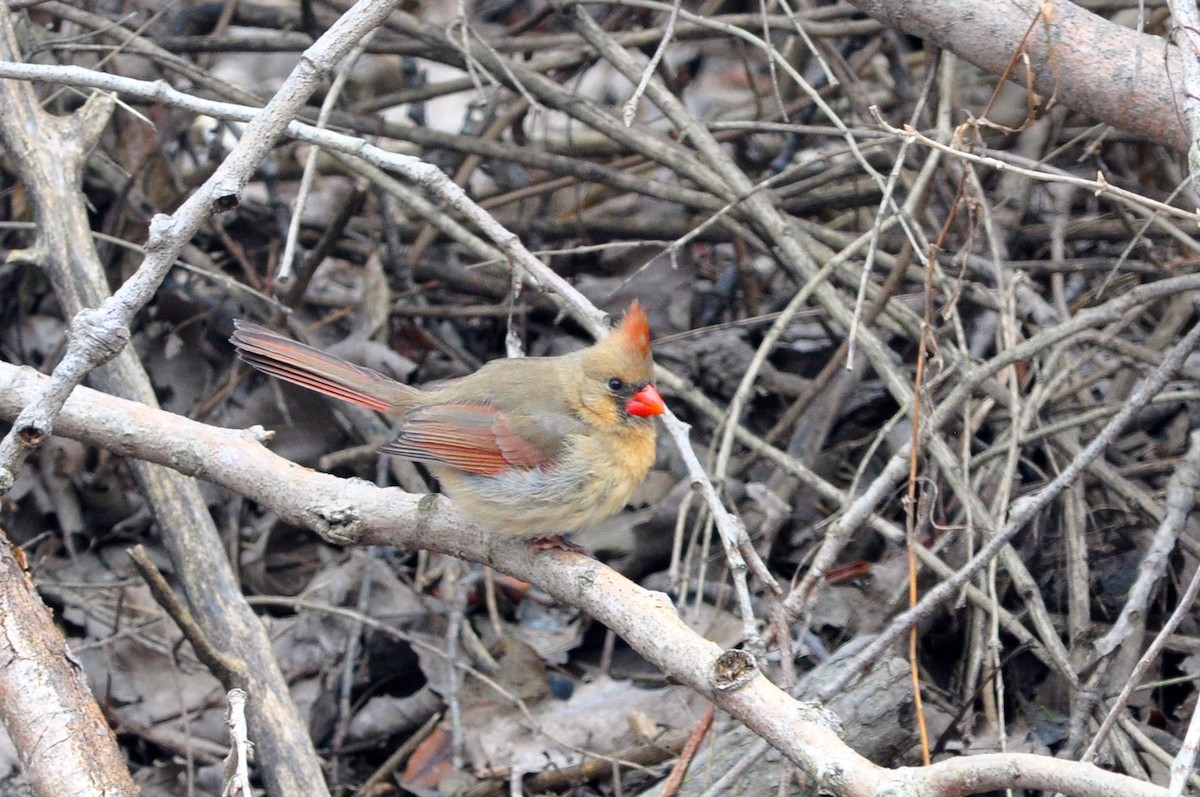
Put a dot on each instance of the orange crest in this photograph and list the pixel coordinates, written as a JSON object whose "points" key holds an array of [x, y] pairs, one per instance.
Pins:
{"points": [[634, 329]]}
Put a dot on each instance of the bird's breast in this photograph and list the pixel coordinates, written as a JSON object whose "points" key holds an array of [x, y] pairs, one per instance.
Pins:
{"points": [[592, 479]]}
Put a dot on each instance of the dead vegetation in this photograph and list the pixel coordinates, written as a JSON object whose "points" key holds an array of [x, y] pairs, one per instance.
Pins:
{"points": [[1019, 279]]}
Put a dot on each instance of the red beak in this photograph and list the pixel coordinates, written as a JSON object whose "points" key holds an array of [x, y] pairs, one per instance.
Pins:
{"points": [[645, 402]]}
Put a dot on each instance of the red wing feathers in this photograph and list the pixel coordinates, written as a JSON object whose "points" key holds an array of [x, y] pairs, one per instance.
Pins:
{"points": [[470, 437]]}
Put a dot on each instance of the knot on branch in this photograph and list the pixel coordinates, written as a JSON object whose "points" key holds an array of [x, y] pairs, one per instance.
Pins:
{"points": [[733, 669], [340, 524], [225, 202], [817, 713], [31, 436], [99, 337], [161, 233]]}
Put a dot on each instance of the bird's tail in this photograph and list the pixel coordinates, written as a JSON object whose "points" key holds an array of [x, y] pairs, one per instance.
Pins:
{"points": [[303, 365]]}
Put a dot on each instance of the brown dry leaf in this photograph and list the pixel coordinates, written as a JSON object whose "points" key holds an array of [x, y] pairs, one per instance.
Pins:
{"points": [[430, 762]]}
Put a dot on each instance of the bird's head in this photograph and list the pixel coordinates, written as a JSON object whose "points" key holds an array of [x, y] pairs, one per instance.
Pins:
{"points": [[621, 370]]}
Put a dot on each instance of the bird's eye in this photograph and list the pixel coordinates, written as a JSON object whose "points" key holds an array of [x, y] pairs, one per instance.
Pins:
{"points": [[615, 385]]}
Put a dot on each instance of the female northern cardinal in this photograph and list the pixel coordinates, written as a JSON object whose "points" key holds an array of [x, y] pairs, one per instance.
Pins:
{"points": [[535, 446]]}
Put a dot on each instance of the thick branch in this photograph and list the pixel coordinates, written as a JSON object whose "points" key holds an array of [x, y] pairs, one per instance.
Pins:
{"points": [[354, 512], [62, 738], [1117, 75]]}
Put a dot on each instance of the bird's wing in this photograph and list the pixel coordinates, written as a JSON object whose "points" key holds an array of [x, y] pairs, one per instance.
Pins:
{"points": [[478, 438]]}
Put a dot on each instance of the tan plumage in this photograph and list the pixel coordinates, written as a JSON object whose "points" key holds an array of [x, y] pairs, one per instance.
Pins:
{"points": [[534, 447]]}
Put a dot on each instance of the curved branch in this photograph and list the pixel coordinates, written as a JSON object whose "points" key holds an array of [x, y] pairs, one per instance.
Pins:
{"points": [[355, 512]]}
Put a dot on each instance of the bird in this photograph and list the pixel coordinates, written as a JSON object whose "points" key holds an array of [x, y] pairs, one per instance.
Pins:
{"points": [[530, 447]]}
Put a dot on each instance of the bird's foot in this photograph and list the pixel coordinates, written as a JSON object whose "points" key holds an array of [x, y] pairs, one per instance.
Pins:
{"points": [[561, 543]]}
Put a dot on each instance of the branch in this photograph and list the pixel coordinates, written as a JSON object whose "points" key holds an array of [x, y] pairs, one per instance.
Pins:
{"points": [[355, 512], [63, 740], [1084, 61], [98, 334], [49, 154]]}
